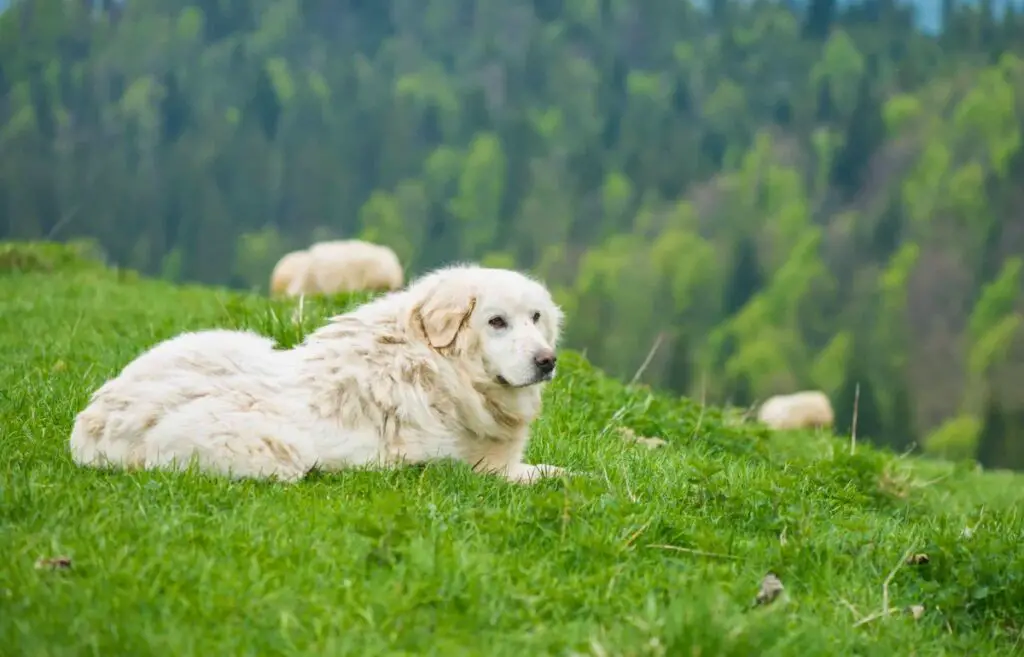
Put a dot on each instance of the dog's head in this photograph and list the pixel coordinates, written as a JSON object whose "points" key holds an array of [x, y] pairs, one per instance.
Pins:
{"points": [[502, 322]]}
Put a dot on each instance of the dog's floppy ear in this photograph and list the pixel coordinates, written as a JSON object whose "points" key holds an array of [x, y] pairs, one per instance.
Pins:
{"points": [[442, 313]]}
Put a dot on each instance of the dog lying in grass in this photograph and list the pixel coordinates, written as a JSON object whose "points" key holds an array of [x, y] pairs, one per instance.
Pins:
{"points": [[452, 366]]}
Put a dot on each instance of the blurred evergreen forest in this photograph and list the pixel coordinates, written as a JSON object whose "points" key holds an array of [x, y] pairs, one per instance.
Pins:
{"points": [[778, 194]]}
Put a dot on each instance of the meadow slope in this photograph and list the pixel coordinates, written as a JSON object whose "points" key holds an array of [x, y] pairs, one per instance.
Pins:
{"points": [[658, 552]]}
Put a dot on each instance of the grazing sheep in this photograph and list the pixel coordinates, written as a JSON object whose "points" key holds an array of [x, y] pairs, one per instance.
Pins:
{"points": [[285, 271], [800, 410], [348, 266]]}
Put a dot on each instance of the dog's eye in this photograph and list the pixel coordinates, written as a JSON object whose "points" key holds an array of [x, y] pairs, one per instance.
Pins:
{"points": [[536, 317], [497, 322]]}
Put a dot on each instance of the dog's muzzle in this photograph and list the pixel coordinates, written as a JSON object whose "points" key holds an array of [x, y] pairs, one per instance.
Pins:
{"points": [[540, 378]]}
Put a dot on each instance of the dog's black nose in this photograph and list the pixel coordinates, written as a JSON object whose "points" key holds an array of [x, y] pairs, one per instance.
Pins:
{"points": [[545, 361]]}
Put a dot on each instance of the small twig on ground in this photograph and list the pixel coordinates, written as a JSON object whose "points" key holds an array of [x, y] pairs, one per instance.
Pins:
{"points": [[611, 582], [643, 366], [625, 480], [676, 548], [932, 482], [875, 616], [71, 214], [886, 610], [616, 416], [909, 451], [647, 360], [703, 398], [566, 515], [64, 220], [968, 531], [853, 423], [750, 411], [849, 605], [636, 534], [892, 573]]}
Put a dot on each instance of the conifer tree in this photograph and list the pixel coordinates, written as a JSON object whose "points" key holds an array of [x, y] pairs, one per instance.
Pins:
{"points": [[857, 390], [991, 441], [746, 278]]}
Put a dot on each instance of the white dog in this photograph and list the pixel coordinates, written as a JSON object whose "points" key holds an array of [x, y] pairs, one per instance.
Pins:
{"points": [[451, 367]]}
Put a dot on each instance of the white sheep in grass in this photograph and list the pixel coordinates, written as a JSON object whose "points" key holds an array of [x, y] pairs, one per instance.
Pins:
{"points": [[801, 410], [285, 271], [339, 266]]}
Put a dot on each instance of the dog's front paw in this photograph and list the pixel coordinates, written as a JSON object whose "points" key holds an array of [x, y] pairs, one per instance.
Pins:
{"points": [[525, 473]]}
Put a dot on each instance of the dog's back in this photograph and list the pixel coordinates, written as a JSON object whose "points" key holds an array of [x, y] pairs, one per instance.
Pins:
{"points": [[218, 395]]}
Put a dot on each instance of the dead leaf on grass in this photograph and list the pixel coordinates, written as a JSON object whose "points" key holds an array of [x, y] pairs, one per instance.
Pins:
{"points": [[54, 563], [650, 443], [771, 588]]}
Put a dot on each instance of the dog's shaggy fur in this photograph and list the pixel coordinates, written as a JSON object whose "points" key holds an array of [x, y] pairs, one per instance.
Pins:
{"points": [[453, 366]]}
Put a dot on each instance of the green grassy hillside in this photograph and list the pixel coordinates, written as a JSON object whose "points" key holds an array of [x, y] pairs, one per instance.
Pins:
{"points": [[660, 552]]}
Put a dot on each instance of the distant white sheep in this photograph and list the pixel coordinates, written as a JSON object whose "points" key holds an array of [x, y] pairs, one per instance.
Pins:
{"points": [[347, 266], [800, 410], [285, 271]]}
